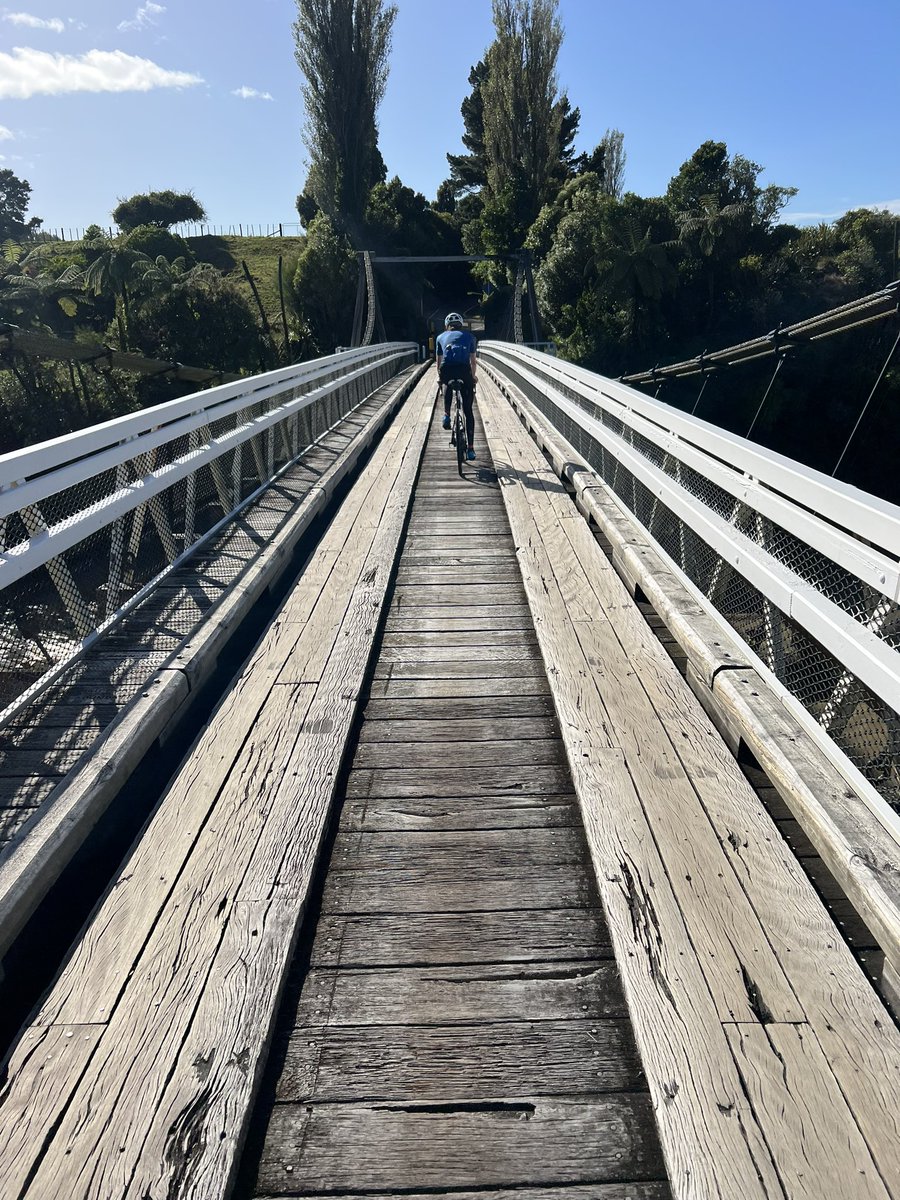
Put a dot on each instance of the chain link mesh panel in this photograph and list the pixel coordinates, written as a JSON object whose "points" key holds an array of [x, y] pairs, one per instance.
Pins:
{"points": [[865, 728], [46, 616]]}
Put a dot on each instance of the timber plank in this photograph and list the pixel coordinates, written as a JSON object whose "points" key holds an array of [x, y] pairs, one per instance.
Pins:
{"points": [[465, 637], [449, 939], [463, 667], [443, 1063], [472, 781], [425, 756], [166, 980], [635, 701], [803, 1113], [433, 995], [450, 708], [409, 1147], [459, 687], [688, 1061], [378, 814], [478, 888], [36, 1080], [410, 624], [654, 1190], [439, 653], [456, 851], [456, 731]]}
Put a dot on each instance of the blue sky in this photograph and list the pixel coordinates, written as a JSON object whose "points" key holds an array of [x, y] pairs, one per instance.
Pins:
{"points": [[103, 98]]}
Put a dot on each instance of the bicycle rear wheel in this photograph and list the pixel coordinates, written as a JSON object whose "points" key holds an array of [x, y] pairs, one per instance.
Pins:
{"points": [[460, 434]]}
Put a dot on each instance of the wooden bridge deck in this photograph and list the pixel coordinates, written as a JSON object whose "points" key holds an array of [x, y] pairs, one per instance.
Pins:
{"points": [[562, 951]]}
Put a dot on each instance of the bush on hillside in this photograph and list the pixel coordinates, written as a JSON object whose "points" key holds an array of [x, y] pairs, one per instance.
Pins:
{"points": [[162, 209]]}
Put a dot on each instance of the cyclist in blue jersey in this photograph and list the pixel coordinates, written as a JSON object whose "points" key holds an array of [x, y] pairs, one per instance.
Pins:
{"points": [[455, 350]]}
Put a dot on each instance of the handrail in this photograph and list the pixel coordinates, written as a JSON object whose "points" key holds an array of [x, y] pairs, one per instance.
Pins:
{"points": [[91, 522], [866, 518], [805, 568], [43, 456]]}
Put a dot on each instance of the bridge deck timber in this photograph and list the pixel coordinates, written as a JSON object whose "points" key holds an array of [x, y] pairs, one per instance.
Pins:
{"points": [[561, 952]]}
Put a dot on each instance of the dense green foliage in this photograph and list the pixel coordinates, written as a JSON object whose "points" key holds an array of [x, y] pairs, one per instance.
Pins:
{"points": [[15, 196], [145, 292], [342, 48], [162, 209]]}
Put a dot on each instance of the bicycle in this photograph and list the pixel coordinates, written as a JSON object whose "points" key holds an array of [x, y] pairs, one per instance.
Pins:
{"points": [[458, 438]]}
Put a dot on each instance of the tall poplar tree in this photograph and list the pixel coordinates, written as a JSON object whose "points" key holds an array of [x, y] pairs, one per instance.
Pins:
{"points": [[342, 48], [528, 125]]}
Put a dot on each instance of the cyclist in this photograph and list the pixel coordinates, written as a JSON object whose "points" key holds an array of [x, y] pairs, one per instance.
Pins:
{"points": [[455, 351]]}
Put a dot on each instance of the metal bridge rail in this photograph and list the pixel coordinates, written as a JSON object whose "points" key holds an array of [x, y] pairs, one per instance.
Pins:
{"points": [[91, 522], [805, 569]]}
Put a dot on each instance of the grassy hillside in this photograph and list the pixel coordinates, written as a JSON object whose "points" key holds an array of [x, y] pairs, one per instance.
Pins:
{"points": [[261, 255]]}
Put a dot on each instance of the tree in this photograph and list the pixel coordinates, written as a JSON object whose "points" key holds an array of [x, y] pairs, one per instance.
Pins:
{"points": [[342, 48], [113, 268], [529, 127], [162, 209], [468, 171], [325, 284], [612, 168], [15, 196]]}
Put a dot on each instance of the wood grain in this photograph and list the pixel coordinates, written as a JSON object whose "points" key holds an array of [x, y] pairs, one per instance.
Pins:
{"points": [[409, 1147], [448, 939], [442, 1063]]}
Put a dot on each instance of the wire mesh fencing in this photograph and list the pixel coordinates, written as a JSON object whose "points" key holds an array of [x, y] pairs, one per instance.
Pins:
{"points": [[90, 524], [782, 595]]}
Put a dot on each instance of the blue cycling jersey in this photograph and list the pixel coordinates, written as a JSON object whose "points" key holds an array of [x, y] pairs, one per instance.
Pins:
{"points": [[455, 346]]}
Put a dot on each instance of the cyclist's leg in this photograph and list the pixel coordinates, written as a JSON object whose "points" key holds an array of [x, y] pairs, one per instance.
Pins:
{"points": [[468, 395], [444, 380]]}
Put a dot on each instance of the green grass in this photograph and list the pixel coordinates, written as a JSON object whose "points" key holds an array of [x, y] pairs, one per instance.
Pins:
{"points": [[261, 255]]}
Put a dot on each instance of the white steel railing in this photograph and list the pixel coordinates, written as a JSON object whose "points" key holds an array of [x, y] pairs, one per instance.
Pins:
{"points": [[804, 568], [90, 522]]}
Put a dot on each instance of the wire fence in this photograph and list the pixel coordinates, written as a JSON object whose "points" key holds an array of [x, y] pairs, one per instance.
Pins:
{"points": [[805, 569], [269, 229], [91, 522]]}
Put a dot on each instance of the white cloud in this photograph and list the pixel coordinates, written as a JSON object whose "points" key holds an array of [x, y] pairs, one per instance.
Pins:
{"points": [[145, 15], [248, 93], [6, 135], [54, 24], [890, 206], [28, 72]]}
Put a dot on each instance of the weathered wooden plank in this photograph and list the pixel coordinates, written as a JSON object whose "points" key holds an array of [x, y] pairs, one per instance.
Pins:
{"points": [[460, 576], [644, 699], [49, 737], [459, 708], [51, 763], [657, 1190], [400, 626], [36, 1080], [448, 939], [393, 656], [436, 556], [460, 812], [166, 980], [466, 639], [463, 667], [523, 1143], [457, 851], [219, 1065], [467, 781], [484, 595], [711, 1140], [458, 686], [410, 610], [804, 1116], [443, 1063], [477, 889], [447, 730], [427, 756]]}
